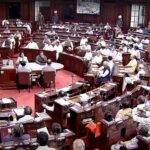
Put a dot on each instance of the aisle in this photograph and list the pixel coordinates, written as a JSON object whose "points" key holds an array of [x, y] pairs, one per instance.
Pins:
{"points": [[24, 98]]}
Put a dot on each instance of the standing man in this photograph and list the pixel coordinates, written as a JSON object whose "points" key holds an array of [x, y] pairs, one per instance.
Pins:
{"points": [[119, 21], [40, 19], [55, 17]]}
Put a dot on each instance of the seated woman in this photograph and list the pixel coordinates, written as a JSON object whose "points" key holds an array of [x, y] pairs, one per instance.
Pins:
{"points": [[124, 113], [22, 57]]}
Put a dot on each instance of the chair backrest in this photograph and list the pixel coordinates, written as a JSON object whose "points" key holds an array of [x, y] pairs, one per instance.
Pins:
{"points": [[24, 78], [49, 78]]}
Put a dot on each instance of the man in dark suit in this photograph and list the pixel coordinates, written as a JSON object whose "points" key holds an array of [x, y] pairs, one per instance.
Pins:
{"points": [[41, 59]]}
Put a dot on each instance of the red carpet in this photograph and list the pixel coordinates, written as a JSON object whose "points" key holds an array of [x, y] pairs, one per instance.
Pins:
{"points": [[25, 98]]}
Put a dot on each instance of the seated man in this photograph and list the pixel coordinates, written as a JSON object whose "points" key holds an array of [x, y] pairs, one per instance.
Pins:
{"points": [[104, 74], [32, 45], [67, 44], [88, 55], [132, 78], [46, 39], [48, 46], [41, 59], [97, 59], [27, 27], [23, 67], [83, 40], [78, 144], [49, 67], [7, 43], [17, 134], [27, 118], [42, 139], [85, 47], [133, 143], [124, 112], [5, 22], [7, 30], [132, 64], [59, 48]]}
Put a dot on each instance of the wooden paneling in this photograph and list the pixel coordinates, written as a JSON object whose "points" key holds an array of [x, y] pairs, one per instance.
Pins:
{"points": [[109, 10], [2, 10]]}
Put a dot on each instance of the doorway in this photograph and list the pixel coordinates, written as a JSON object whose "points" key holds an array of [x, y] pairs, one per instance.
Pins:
{"points": [[14, 9]]}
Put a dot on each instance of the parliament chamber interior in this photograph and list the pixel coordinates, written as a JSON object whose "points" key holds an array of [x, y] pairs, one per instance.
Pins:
{"points": [[75, 74]]}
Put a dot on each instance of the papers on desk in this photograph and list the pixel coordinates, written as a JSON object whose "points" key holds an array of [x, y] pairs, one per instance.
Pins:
{"points": [[62, 102], [43, 115], [8, 64], [112, 83], [35, 67], [66, 89], [43, 94], [103, 89], [79, 83], [84, 97], [6, 101], [19, 111]]}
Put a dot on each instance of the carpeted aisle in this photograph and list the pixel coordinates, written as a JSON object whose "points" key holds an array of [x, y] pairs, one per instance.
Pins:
{"points": [[24, 98]]}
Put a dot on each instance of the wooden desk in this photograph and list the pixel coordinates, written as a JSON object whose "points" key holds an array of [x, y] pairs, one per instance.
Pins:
{"points": [[73, 63], [6, 52], [49, 97], [78, 114], [32, 53], [113, 131], [8, 75], [7, 103]]}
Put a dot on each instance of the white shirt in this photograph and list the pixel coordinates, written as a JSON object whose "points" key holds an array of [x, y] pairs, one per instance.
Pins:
{"points": [[48, 47], [103, 43], [83, 41], [140, 46], [26, 119], [88, 56], [58, 48], [117, 56], [45, 148], [22, 59], [137, 118], [28, 28], [106, 51], [86, 47], [145, 41], [32, 45], [11, 45], [97, 59], [111, 65]]}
